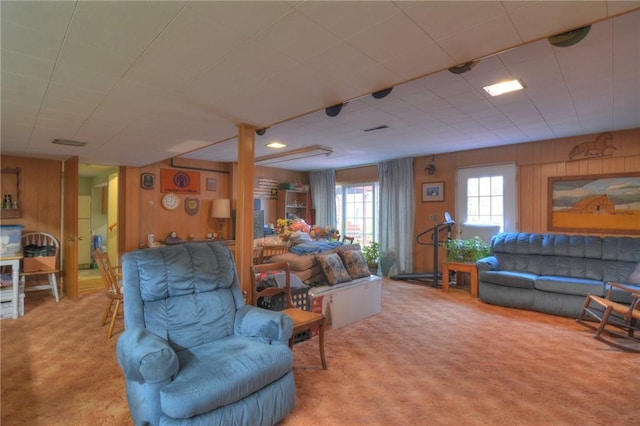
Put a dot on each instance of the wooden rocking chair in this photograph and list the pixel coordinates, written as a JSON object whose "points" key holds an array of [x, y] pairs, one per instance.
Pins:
{"points": [[613, 314]]}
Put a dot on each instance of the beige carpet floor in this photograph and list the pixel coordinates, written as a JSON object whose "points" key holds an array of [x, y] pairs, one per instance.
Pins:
{"points": [[429, 358], [89, 280]]}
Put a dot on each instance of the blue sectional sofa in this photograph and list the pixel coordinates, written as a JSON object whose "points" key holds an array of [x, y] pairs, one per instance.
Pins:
{"points": [[553, 273]]}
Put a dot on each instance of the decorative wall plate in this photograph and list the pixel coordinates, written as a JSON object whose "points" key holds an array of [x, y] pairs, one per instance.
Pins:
{"points": [[192, 206], [147, 180]]}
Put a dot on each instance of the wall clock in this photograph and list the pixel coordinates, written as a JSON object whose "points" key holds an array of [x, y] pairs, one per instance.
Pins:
{"points": [[170, 201]]}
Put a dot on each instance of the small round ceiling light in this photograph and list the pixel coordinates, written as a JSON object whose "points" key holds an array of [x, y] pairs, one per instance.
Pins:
{"points": [[276, 145]]}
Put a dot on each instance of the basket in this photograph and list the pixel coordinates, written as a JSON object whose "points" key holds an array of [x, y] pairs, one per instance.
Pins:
{"points": [[299, 298]]}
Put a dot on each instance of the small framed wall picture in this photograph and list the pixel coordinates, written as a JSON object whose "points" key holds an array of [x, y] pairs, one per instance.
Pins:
{"points": [[432, 191], [147, 180], [212, 184]]}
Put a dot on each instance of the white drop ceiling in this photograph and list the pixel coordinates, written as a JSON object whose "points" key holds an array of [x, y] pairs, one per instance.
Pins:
{"points": [[141, 82]]}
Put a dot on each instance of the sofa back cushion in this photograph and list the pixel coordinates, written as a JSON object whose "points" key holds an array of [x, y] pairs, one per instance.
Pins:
{"points": [[186, 293], [579, 256]]}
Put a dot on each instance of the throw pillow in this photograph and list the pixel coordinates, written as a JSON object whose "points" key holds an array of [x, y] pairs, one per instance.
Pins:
{"points": [[634, 276], [333, 269], [355, 264]]}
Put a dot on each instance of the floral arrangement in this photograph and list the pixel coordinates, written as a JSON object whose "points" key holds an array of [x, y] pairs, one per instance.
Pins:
{"points": [[324, 233], [286, 227]]}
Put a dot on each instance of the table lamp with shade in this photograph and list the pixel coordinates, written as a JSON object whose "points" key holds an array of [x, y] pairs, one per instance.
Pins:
{"points": [[221, 210]]}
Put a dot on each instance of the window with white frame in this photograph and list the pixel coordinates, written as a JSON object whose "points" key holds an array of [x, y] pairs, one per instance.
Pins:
{"points": [[357, 211], [487, 195]]}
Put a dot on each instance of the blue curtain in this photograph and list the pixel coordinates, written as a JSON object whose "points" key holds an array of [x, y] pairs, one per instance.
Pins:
{"points": [[323, 194], [396, 211]]}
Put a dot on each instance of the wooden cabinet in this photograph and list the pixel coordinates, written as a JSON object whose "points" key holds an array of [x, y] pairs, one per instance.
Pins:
{"points": [[11, 188], [294, 204]]}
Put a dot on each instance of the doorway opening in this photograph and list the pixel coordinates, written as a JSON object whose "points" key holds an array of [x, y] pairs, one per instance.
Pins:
{"points": [[97, 221]]}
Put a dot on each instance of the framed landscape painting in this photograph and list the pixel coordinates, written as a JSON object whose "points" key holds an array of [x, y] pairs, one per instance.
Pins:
{"points": [[608, 204]]}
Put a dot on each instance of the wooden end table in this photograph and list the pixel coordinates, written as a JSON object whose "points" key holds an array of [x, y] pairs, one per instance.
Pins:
{"points": [[460, 267]]}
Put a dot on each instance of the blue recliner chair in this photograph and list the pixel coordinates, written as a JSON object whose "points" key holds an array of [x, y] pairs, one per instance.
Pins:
{"points": [[192, 352]]}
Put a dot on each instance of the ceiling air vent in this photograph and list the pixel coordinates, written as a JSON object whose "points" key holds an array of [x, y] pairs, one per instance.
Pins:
{"points": [[68, 142], [373, 129]]}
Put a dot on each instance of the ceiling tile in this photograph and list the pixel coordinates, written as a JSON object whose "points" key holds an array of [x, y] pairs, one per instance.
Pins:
{"points": [[297, 36], [486, 38], [390, 38], [541, 19]]}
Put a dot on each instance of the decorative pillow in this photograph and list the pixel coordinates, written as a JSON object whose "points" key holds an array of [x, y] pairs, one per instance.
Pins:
{"points": [[634, 276], [333, 269], [355, 264]]}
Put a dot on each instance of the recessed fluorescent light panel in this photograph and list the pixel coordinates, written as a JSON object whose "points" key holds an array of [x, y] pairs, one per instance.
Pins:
{"points": [[504, 87], [295, 154], [276, 145]]}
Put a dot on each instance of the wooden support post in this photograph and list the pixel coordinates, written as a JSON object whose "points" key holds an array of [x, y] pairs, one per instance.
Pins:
{"points": [[244, 206]]}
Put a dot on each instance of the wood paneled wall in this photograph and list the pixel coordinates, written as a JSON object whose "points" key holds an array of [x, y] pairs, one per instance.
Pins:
{"points": [[142, 212], [536, 162], [40, 194]]}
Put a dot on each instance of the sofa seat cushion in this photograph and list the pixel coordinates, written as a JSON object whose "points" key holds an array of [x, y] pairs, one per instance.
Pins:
{"points": [[220, 373], [509, 278], [569, 285]]}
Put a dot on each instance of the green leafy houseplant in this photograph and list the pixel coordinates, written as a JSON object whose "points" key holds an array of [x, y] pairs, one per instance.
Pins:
{"points": [[466, 250], [371, 253]]}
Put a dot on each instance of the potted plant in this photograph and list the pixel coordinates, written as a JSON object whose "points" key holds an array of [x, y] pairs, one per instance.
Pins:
{"points": [[466, 250], [371, 254]]}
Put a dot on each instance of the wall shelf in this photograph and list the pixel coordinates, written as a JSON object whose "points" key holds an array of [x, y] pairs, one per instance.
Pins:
{"points": [[11, 185], [293, 204]]}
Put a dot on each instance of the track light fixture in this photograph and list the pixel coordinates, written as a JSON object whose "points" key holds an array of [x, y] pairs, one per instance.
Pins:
{"points": [[334, 110]]}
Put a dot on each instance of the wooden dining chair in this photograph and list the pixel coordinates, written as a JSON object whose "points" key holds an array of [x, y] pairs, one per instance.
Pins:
{"points": [[347, 240], [302, 320], [113, 288], [258, 255]]}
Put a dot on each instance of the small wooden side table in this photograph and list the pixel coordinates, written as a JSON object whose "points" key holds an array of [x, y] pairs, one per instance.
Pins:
{"points": [[460, 267]]}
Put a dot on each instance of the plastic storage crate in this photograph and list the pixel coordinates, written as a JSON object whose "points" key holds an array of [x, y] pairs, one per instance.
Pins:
{"points": [[299, 298]]}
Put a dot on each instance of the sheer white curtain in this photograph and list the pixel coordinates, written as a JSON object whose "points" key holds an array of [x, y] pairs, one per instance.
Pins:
{"points": [[323, 194], [396, 211]]}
